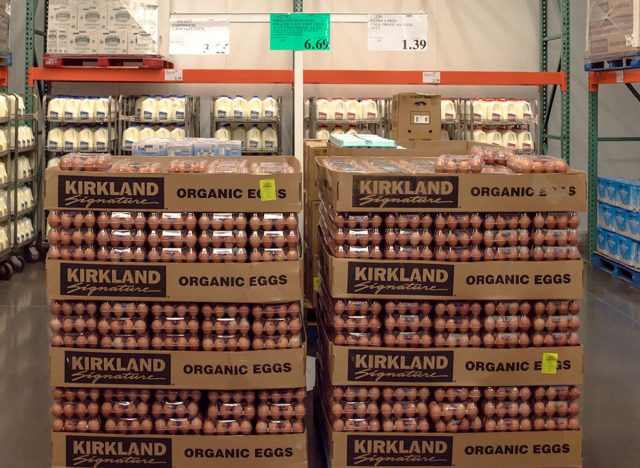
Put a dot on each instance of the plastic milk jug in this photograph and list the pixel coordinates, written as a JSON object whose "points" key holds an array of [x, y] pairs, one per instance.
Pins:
{"points": [[55, 110], [239, 106], [448, 110], [444, 135], [509, 139], [164, 109], [222, 133], [147, 132], [70, 139], [102, 108], [270, 138], [494, 137], [495, 109], [239, 133], [177, 132], [86, 139], [270, 107], [322, 133], [525, 141], [255, 107], [338, 130], [253, 138], [178, 108], [369, 109], [130, 136], [163, 132], [354, 109], [337, 109], [71, 109], [149, 109], [87, 109], [479, 107], [479, 135], [54, 138], [222, 107], [101, 138], [352, 130], [323, 108], [523, 110]]}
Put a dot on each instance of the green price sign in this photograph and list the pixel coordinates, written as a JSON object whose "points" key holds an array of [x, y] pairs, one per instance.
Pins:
{"points": [[300, 31]]}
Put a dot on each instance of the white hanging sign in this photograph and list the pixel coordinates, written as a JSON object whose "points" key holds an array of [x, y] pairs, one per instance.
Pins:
{"points": [[198, 35], [398, 32]]}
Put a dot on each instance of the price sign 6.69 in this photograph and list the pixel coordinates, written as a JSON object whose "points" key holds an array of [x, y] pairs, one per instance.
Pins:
{"points": [[300, 31]]}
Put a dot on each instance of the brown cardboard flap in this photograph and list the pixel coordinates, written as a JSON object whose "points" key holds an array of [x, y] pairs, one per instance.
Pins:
{"points": [[201, 370], [351, 365], [73, 190], [451, 192], [180, 451], [468, 450], [388, 279], [201, 282]]}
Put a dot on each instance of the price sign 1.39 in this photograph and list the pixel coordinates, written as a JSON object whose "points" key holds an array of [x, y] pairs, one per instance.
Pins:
{"points": [[300, 31], [397, 32]]}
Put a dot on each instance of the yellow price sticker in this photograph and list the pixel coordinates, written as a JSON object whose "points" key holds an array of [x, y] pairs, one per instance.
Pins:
{"points": [[549, 363], [316, 283], [268, 190]]}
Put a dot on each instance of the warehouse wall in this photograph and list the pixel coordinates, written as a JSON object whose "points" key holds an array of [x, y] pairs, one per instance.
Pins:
{"points": [[463, 34]]}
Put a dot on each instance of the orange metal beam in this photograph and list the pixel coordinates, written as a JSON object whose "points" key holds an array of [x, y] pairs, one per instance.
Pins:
{"points": [[612, 77], [453, 78], [4, 77], [141, 75]]}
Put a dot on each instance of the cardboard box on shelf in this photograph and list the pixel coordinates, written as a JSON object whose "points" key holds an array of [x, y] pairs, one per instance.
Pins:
{"points": [[406, 279], [416, 116], [113, 41], [180, 451], [613, 30], [452, 192], [106, 191], [201, 370], [82, 41], [198, 282], [62, 14], [92, 14]]}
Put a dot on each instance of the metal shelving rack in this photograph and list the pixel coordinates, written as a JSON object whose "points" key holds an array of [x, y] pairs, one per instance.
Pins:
{"points": [[262, 122], [627, 77], [376, 126], [126, 112]]}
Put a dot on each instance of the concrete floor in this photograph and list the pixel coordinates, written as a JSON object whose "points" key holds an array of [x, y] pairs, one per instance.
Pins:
{"points": [[611, 401]]}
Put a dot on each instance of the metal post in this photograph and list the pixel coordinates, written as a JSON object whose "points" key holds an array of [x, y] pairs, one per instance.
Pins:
{"points": [[565, 12], [544, 67], [593, 171], [29, 51]]}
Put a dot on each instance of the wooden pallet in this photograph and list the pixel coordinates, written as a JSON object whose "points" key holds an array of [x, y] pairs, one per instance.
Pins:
{"points": [[607, 65], [615, 268], [128, 61]]}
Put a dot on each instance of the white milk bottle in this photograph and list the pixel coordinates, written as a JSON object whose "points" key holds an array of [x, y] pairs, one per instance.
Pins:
{"points": [[130, 136], [178, 108], [495, 110], [164, 109], [147, 132], [322, 133], [364, 131], [54, 138], [101, 108], [222, 133], [87, 109], [23, 136], [3, 173], [54, 111], [306, 110], [494, 137], [21, 106], [239, 106], [323, 108], [270, 138], [479, 110], [163, 132], [222, 107], [86, 139], [138, 106], [101, 138], [479, 135], [338, 130], [337, 109], [255, 107], [71, 109], [448, 111], [525, 141], [352, 130], [523, 110], [70, 139], [270, 107], [149, 109], [239, 134], [509, 139], [369, 109], [253, 138], [177, 133], [353, 109]]}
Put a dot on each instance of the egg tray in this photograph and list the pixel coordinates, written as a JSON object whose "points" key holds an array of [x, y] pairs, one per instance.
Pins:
{"points": [[86, 162], [356, 323], [235, 326], [276, 326], [458, 164], [222, 343], [231, 410], [556, 323], [187, 166], [125, 408], [270, 411], [263, 396], [126, 166], [175, 342], [248, 166], [280, 341], [257, 311], [171, 220], [178, 325], [175, 409], [537, 164]]}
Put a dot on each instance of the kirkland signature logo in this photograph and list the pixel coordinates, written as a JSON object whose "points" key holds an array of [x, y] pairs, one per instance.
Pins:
{"points": [[111, 452], [366, 365], [78, 279], [405, 192], [412, 279], [82, 367], [378, 450], [111, 192]]}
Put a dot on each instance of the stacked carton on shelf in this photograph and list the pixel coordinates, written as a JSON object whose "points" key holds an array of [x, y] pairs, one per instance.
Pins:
{"points": [[176, 359], [432, 352]]}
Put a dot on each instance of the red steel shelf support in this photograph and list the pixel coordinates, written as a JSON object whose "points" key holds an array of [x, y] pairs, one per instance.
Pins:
{"points": [[4, 77], [596, 79]]}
